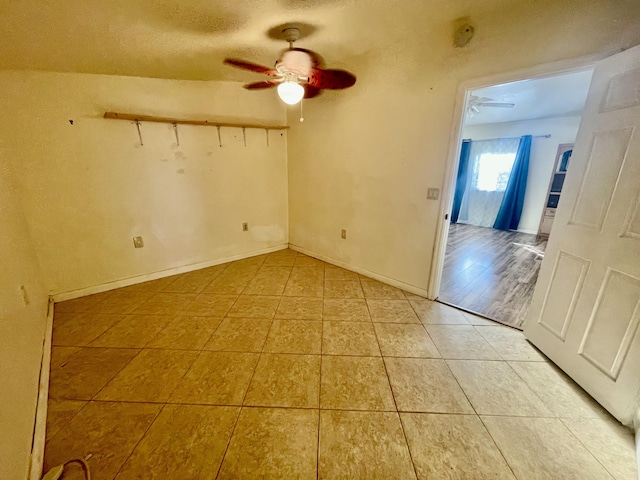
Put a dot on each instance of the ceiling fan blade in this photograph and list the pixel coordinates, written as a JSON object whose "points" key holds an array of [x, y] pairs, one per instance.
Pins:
{"points": [[310, 91], [254, 67], [331, 79], [261, 85], [496, 104]]}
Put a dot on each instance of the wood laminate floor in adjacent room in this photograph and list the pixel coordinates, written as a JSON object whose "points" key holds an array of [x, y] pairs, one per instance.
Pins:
{"points": [[491, 272]]}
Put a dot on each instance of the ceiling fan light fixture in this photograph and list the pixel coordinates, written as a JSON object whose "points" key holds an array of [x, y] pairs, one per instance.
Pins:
{"points": [[290, 92]]}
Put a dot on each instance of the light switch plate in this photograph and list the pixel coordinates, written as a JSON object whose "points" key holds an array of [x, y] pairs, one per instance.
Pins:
{"points": [[433, 193]]}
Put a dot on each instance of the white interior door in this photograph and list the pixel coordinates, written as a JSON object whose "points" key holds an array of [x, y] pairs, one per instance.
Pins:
{"points": [[586, 307]]}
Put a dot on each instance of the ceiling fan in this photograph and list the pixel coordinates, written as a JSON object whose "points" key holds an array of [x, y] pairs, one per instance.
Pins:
{"points": [[475, 103], [297, 73]]}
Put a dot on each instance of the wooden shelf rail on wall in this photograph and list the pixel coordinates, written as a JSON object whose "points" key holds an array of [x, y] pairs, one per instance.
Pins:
{"points": [[137, 119], [212, 123]]}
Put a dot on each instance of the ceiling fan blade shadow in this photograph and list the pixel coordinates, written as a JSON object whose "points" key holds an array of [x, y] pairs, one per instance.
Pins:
{"points": [[261, 85], [254, 67]]}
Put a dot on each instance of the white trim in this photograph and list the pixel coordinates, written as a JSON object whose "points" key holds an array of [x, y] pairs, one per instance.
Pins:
{"points": [[448, 188], [40, 426], [362, 271], [104, 287]]}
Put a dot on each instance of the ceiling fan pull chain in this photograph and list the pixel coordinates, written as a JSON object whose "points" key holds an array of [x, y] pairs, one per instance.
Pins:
{"points": [[244, 135], [301, 117], [266, 130], [219, 136]]}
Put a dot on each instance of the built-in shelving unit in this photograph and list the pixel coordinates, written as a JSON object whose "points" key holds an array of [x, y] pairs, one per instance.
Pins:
{"points": [[556, 182]]}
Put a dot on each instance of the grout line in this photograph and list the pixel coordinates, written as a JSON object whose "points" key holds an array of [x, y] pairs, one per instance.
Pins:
{"points": [[393, 396], [320, 377]]}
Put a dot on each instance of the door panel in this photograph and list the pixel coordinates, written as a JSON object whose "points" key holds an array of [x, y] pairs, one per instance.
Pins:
{"points": [[585, 310]]}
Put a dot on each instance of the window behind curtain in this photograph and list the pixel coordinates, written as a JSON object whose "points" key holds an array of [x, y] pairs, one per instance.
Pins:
{"points": [[490, 164]]}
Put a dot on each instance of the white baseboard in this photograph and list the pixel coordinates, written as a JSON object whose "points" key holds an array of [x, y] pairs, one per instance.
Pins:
{"points": [[40, 428], [531, 232], [105, 287], [390, 281]]}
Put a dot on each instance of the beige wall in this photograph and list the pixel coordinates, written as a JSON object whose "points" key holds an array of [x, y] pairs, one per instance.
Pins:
{"points": [[364, 158], [22, 325], [542, 158], [88, 188]]}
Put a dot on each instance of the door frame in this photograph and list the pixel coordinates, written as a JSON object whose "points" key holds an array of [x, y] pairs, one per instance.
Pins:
{"points": [[455, 141]]}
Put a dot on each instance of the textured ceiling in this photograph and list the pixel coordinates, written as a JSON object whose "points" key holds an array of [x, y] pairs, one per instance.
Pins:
{"points": [[187, 39]]}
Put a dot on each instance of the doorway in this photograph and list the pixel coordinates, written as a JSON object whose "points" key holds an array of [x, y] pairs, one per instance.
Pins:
{"points": [[505, 188]]}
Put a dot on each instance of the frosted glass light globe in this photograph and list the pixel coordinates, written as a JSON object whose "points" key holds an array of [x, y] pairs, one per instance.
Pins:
{"points": [[290, 92]]}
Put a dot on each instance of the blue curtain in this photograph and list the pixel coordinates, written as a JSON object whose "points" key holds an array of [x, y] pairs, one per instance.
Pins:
{"points": [[461, 182], [511, 207]]}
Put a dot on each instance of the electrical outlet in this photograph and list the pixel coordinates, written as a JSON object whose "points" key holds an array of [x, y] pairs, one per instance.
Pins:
{"points": [[343, 234], [138, 242], [245, 226], [433, 193]]}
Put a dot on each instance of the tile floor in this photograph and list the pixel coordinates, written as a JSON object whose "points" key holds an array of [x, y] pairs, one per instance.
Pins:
{"points": [[282, 366]]}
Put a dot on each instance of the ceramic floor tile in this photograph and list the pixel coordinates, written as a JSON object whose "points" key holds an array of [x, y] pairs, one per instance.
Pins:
{"points": [[79, 305], [239, 335], [425, 385], [185, 442], [230, 282], [216, 378], [461, 342], [134, 331], [478, 320], [273, 443], [305, 284], [453, 447], [209, 272], [186, 333], [543, 448], [342, 288], [391, 311], [150, 377], [294, 336], [154, 286], [436, 313], [268, 281], [355, 383], [60, 412], [187, 284], [285, 381], [60, 355], [510, 343], [210, 305], [495, 389], [349, 338], [282, 258], [165, 304], [81, 329], [363, 445], [254, 306], [405, 340], [300, 308], [108, 431], [558, 392], [332, 272], [346, 310], [375, 289], [85, 373], [611, 443], [306, 261], [122, 302]]}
